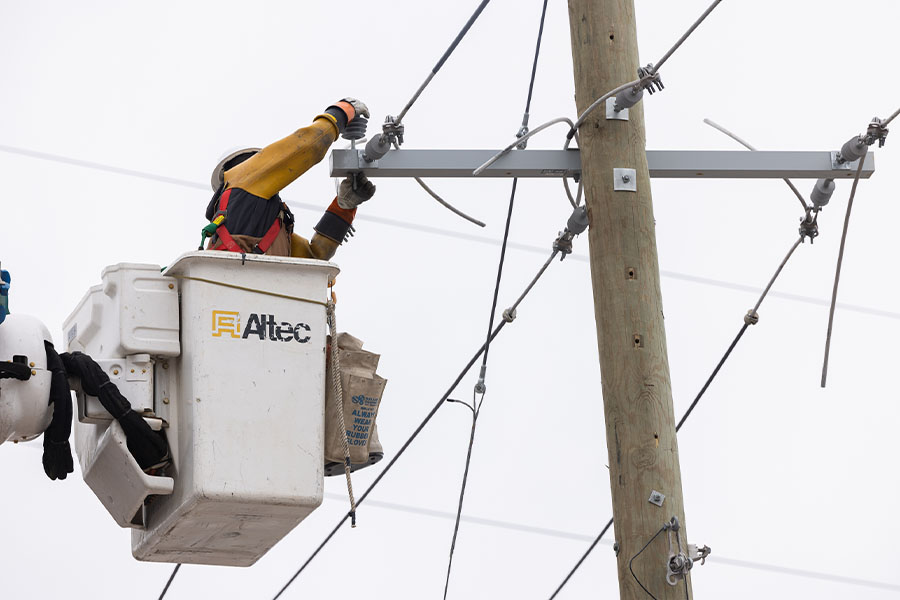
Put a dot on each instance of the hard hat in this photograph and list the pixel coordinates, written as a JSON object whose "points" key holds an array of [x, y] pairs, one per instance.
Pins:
{"points": [[230, 159]]}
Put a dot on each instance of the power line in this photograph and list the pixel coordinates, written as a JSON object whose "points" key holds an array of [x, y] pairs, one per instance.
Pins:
{"points": [[751, 318], [421, 426], [169, 582], [480, 386], [580, 537], [429, 229]]}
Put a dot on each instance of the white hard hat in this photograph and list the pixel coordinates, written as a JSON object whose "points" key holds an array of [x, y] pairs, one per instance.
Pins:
{"points": [[218, 174]]}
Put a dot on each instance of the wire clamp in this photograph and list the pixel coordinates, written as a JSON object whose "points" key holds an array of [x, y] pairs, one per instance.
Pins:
{"points": [[392, 130], [509, 315], [876, 132], [680, 562], [650, 79], [752, 317], [809, 226], [523, 131]]}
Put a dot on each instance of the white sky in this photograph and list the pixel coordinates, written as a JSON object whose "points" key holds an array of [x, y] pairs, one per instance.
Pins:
{"points": [[775, 469]]}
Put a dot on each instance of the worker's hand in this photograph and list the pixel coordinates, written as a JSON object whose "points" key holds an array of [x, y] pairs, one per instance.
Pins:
{"points": [[350, 196], [359, 107]]}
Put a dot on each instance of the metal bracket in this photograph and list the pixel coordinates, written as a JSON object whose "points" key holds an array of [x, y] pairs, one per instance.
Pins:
{"points": [[656, 498], [837, 164], [363, 163], [624, 180], [612, 114]]}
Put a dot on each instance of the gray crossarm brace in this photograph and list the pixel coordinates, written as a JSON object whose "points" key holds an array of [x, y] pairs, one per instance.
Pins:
{"points": [[704, 164]]}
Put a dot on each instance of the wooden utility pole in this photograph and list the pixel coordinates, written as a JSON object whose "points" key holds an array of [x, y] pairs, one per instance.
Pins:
{"points": [[637, 391]]}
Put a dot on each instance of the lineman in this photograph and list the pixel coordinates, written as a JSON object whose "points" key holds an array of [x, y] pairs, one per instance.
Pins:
{"points": [[246, 214]]}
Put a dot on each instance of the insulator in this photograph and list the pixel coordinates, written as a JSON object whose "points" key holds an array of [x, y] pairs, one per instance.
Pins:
{"points": [[578, 221], [629, 97], [377, 147], [355, 129], [853, 149], [821, 192]]}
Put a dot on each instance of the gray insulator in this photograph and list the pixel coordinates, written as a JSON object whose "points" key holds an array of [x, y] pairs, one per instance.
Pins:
{"points": [[628, 98], [355, 129], [377, 147], [821, 192], [578, 222], [853, 149]]}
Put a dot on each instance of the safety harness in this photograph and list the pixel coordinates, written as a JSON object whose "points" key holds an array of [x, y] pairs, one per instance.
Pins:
{"points": [[216, 228]]}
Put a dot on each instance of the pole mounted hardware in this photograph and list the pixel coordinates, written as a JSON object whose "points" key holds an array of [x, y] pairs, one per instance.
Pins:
{"points": [[681, 557], [577, 223]]}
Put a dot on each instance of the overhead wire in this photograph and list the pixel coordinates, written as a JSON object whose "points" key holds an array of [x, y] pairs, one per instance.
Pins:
{"points": [[418, 92], [751, 318], [169, 582], [421, 426], [431, 230], [747, 145], [887, 121], [568, 535], [443, 59], [480, 387], [837, 271]]}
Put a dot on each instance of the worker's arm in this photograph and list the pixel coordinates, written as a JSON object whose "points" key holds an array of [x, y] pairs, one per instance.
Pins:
{"points": [[274, 167]]}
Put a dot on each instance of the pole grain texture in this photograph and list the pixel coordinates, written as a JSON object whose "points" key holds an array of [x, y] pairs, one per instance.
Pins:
{"points": [[637, 391]]}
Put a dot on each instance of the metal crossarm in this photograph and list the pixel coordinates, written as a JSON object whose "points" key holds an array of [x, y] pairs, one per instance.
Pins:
{"points": [[707, 164]]}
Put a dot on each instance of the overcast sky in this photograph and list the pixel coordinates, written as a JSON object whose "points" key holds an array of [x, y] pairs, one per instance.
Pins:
{"points": [[795, 488]]}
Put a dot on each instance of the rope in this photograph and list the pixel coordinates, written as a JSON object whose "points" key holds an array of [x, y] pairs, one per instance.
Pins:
{"points": [[837, 271], [750, 319], [749, 147], [443, 59], [339, 402], [254, 290], [415, 433]]}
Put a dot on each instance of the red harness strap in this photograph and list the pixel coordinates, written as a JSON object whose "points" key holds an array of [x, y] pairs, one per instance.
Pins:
{"points": [[228, 242]]}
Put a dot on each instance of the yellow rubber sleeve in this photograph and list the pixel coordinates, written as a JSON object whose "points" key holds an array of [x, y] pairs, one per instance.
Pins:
{"points": [[274, 167]]}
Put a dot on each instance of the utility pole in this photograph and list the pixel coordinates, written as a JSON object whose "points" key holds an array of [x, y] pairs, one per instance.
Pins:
{"points": [[637, 390]]}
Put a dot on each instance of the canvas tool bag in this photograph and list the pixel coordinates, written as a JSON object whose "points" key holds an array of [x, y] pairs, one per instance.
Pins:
{"points": [[362, 390]]}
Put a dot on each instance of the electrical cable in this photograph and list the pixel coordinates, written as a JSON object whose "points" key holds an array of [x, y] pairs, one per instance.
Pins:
{"points": [[646, 79], [442, 60], [747, 145], [837, 271], [480, 388], [658, 65], [748, 320], [169, 582], [887, 121], [568, 535], [421, 426], [581, 560], [462, 489], [630, 562], [420, 228]]}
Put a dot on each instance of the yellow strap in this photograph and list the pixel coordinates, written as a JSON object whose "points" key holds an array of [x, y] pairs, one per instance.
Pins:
{"points": [[247, 289]]}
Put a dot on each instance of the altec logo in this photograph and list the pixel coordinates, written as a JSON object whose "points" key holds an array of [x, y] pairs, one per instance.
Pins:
{"points": [[226, 323]]}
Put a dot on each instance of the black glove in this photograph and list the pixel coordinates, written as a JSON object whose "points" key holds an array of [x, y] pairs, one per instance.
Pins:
{"points": [[146, 446], [57, 457]]}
